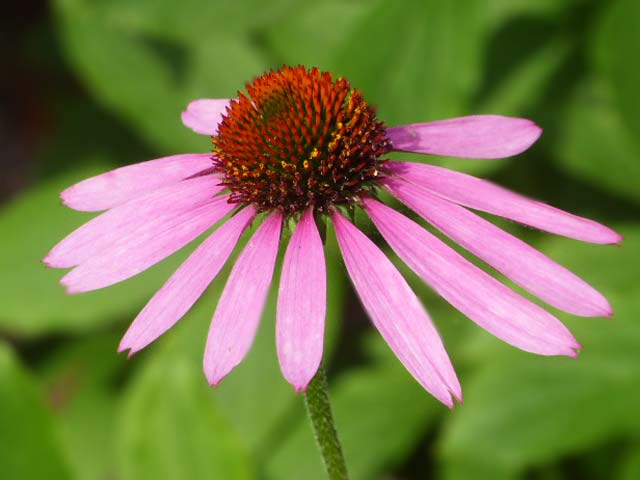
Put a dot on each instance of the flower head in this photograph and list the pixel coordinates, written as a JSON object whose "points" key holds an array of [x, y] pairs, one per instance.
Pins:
{"points": [[300, 145], [299, 139]]}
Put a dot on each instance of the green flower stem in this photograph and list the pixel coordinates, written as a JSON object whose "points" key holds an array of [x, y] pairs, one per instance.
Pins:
{"points": [[319, 408]]}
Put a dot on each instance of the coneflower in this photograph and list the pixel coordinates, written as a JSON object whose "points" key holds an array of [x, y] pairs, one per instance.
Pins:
{"points": [[304, 147]]}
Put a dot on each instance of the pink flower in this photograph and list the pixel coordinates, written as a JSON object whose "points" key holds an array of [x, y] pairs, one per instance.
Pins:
{"points": [[304, 146]]}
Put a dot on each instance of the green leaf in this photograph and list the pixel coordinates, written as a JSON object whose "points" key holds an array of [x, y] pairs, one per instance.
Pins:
{"points": [[28, 433], [524, 86], [414, 73], [171, 425], [500, 11], [82, 377], [630, 467], [615, 50], [597, 146], [380, 413], [191, 20], [146, 62], [302, 36], [522, 410], [478, 469], [36, 222]]}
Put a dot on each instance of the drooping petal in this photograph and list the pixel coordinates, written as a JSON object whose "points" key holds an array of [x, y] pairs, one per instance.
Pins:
{"points": [[479, 296], [396, 312], [150, 211], [203, 116], [186, 285], [122, 184], [302, 304], [151, 244], [520, 262], [239, 309], [482, 195], [476, 136]]}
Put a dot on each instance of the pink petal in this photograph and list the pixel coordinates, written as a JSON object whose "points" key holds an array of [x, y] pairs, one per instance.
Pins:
{"points": [[476, 136], [204, 115], [236, 319], [150, 244], [186, 285], [479, 296], [397, 313], [525, 265], [122, 184], [302, 304], [488, 197], [152, 210]]}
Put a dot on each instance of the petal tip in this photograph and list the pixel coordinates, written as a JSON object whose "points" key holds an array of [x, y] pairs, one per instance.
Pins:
{"points": [[575, 350], [605, 310], [214, 382], [618, 239], [299, 382], [607, 236], [51, 260], [184, 116], [530, 135], [214, 378], [67, 200], [69, 288], [597, 307], [536, 130], [203, 115], [190, 121], [127, 344], [300, 388], [458, 396], [448, 401], [132, 351]]}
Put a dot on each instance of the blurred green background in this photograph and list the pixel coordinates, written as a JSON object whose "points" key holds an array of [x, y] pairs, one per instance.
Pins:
{"points": [[89, 85]]}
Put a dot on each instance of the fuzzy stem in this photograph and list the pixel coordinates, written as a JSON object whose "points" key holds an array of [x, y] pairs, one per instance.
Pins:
{"points": [[319, 409]]}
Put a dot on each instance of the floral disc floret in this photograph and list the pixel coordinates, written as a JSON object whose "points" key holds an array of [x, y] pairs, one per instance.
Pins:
{"points": [[298, 139]]}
